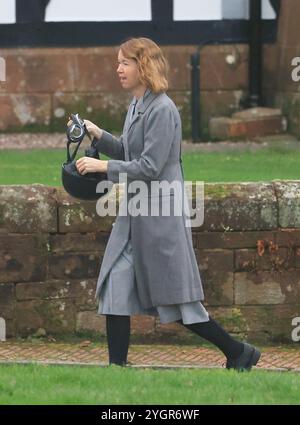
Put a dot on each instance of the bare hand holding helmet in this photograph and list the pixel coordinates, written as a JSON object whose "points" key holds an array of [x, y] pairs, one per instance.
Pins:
{"points": [[80, 178]]}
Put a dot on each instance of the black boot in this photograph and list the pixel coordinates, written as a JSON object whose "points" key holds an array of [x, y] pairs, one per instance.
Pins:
{"points": [[118, 335], [246, 360], [239, 355]]}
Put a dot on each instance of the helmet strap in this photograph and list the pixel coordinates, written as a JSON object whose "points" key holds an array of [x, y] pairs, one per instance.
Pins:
{"points": [[71, 157]]}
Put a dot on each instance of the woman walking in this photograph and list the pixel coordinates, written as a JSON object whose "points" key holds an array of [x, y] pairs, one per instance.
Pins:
{"points": [[149, 265]]}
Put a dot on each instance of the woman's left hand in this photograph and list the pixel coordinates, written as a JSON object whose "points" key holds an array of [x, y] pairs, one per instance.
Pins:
{"points": [[91, 165]]}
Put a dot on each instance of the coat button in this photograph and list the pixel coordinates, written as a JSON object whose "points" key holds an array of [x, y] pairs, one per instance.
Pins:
{"points": [[113, 223]]}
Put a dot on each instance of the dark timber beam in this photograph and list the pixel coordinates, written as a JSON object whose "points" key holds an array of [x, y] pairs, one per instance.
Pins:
{"points": [[162, 11], [31, 10]]}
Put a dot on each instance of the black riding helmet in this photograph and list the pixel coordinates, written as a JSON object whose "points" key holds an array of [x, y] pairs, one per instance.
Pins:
{"points": [[78, 185]]}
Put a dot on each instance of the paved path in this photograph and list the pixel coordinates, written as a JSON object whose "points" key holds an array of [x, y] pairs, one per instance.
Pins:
{"points": [[158, 356]]}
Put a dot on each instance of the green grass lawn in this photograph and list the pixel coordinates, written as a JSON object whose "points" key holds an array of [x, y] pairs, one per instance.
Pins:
{"points": [[37, 384], [44, 166]]}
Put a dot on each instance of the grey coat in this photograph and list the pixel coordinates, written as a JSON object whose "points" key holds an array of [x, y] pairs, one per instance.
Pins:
{"points": [[164, 260]]}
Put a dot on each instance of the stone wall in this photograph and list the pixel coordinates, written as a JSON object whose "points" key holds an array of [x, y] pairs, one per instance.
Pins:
{"points": [[45, 85], [248, 251]]}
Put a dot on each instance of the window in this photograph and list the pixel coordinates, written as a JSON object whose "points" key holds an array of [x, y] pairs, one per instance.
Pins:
{"points": [[201, 10], [99, 10], [8, 12]]}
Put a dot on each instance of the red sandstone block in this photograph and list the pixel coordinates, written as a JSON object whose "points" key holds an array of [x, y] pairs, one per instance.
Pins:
{"points": [[285, 69], [169, 329], [267, 287], [90, 321], [22, 267], [238, 207], [270, 66], [219, 103], [35, 244], [22, 258], [297, 257], [249, 123], [215, 259], [20, 110], [81, 290], [230, 240], [21, 263], [273, 321], [97, 71], [7, 300], [142, 325], [214, 103], [288, 193], [75, 216], [249, 259], [217, 286], [97, 106], [78, 242], [77, 266], [57, 316], [289, 24], [218, 73], [28, 209], [178, 58], [39, 70], [288, 237]]}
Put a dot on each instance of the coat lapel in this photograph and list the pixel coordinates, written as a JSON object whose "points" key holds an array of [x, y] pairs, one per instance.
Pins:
{"points": [[125, 130], [127, 119], [142, 107]]}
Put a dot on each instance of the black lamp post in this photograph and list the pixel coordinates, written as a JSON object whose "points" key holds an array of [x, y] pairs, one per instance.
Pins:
{"points": [[255, 54]]}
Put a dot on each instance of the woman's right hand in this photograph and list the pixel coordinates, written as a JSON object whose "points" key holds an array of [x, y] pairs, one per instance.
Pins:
{"points": [[92, 128]]}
